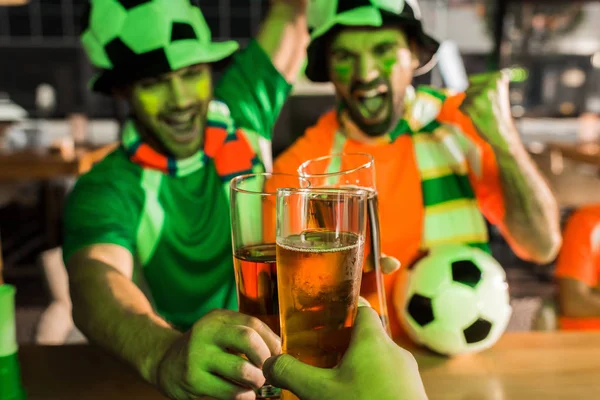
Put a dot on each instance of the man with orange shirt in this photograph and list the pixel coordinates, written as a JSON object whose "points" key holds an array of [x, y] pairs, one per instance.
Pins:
{"points": [[444, 161], [578, 271]]}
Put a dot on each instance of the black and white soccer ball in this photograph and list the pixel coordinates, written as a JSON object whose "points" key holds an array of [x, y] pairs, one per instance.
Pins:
{"points": [[455, 300]]}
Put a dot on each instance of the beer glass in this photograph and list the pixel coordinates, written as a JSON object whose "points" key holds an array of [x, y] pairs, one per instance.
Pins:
{"points": [[319, 264], [253, 215], [356, 170]]}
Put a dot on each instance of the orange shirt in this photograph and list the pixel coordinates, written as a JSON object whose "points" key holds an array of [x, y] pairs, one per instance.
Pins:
{"points": [[579, 259], [399, 188]]}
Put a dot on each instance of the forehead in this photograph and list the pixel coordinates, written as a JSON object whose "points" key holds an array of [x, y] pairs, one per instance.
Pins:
{"points": [[359, 38]]}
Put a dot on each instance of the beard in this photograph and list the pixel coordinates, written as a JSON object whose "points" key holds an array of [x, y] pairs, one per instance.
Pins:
{"points": [[377, 100], [172, 137]]}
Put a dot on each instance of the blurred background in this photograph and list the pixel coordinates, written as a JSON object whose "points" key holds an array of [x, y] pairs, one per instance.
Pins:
{"points": [[58, 128]]}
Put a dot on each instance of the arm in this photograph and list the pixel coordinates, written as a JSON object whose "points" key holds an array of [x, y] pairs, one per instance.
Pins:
{"points": [[112, 312], [284, 36], [257, 83], [577, 300], [531, 221]]}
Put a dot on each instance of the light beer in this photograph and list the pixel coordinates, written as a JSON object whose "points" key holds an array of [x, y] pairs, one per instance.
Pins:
{"points": [[322, 214], [256, 276], [319, 281]]}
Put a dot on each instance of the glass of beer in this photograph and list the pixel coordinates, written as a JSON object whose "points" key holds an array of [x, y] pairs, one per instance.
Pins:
{"points": [[320, 246], [253, 216], [356, 170]]}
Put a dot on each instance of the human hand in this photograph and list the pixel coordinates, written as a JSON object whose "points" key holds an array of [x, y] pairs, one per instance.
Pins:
{"points": [[388, 264], [487, 104], [206, 361], [374, 367]]}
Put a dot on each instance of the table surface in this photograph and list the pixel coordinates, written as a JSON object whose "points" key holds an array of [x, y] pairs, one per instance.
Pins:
{"points": [[28, 165], [521, 366], [583, 152]]}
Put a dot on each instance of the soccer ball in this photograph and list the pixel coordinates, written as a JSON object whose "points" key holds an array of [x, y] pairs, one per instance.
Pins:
{"points": [[455, 300]]}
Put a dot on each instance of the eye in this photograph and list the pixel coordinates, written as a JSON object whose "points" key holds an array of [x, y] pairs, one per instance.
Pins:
{"points": [[383, 49], [342, 55], [148, 83], [193, 74]]}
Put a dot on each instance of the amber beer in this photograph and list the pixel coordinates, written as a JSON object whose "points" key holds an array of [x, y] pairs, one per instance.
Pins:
{"points": [[256, 276], [319, 282], [322, 213]]}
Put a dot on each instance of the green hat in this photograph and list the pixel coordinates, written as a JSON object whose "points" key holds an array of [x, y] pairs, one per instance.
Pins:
{"points": [[325, 16], [129, 40]]}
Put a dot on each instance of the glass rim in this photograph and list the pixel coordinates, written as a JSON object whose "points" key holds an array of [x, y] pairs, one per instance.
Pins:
{"points": [[331, 156], [241, 178], [356, 192]]}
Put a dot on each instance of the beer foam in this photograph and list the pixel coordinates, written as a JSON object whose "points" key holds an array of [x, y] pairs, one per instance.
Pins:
{"points": [[319, 250]]}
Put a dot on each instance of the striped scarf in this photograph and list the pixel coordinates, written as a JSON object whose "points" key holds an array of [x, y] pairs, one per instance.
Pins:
{"points": [[224, 144], [451, 213]]}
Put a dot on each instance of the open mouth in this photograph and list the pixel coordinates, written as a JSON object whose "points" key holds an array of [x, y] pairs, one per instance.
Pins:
{"points": [[372, 103], [181, 125]]}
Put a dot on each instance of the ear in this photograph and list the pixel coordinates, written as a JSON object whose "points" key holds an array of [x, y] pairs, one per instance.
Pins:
{"points": [[415, 51]]}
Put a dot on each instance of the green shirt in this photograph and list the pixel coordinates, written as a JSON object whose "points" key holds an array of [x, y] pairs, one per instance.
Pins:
{"points": [[189, 269]]}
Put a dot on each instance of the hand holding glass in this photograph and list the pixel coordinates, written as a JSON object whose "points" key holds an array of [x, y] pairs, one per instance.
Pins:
{"points": [[320, 246], [253, 201]]}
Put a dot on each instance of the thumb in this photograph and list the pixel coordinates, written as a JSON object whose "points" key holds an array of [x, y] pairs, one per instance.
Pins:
{"points": [[367, 326], [389, 264], [305, 381]]}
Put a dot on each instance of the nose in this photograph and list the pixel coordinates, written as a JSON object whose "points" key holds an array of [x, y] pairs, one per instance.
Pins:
{"points": [[367, 68], [179, 97]]}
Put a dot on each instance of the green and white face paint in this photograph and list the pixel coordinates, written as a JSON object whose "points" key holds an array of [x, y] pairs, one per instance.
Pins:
{"points": [[172, 108], [371, 69]]}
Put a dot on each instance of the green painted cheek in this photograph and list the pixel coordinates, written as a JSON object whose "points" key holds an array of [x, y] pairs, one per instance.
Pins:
{"points": [[342, 73], [203, 89], [150, 102], [388, 65]]}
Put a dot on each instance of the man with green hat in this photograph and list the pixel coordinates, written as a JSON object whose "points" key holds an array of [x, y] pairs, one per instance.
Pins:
{"points": [[445, 161], [147, 241]]}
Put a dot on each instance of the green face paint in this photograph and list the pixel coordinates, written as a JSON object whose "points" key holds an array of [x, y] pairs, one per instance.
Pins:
{"points": [[371, 69], [173, 108], [388, 65], [342, 73]]}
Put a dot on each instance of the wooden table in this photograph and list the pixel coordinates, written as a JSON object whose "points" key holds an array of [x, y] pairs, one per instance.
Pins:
{"points": [[522, 366], [28, 165], [588, 153]]}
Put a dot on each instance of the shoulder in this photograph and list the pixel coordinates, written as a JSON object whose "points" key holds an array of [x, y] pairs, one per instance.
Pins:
{"points": [[115, 178], [427, 104], [315, 142], [423, 106], [115, 163]]}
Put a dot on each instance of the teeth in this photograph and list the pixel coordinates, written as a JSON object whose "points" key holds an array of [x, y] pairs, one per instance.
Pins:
{"points": [[371, 93], [181, 119]]}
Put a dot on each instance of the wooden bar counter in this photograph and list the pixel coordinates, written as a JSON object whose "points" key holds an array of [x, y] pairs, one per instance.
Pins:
{"points": [[522, 366], [28, 165]]}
